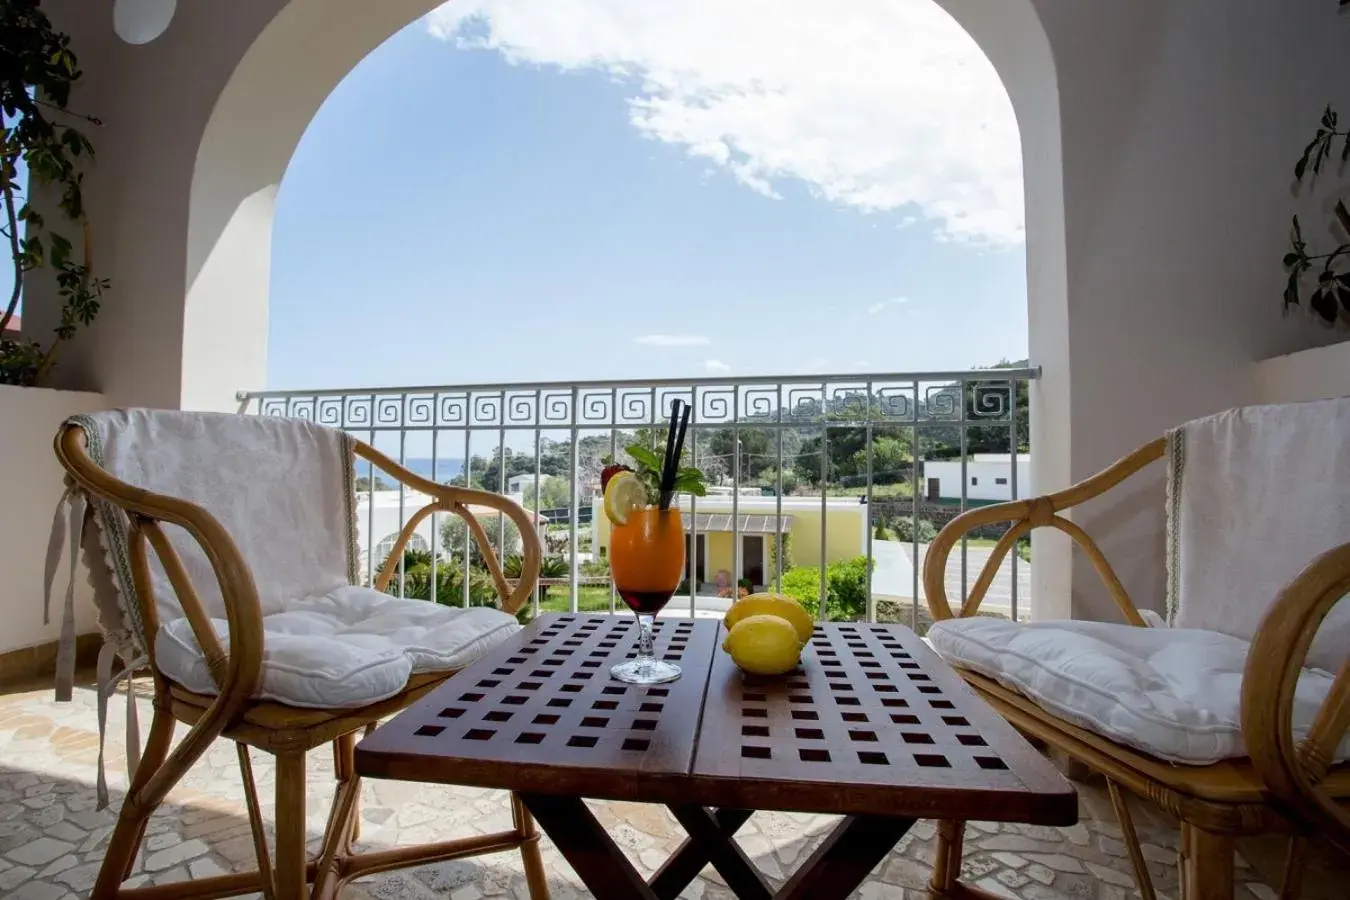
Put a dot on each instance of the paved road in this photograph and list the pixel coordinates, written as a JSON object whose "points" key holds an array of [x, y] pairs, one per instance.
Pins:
{"points": [[893, 578]]}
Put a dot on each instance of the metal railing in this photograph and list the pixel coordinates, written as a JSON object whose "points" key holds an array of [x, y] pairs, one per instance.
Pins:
{"points": [[856, 452]]}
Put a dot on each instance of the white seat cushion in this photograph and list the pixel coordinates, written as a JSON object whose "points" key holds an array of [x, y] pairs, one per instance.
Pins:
{"points": [[348, 648], [1175, 693]]}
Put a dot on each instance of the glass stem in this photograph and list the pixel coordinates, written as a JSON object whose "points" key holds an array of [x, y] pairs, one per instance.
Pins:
{"points": [[645, 649]]}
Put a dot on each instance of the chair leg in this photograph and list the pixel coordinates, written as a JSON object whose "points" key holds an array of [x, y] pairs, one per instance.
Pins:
{"points": [[1141, 877], [1294, 864], [344, 767], [1207, 861], [289, 880], [255, 822], [535, 878], [344, 764], [947, 861], [135, 814]]}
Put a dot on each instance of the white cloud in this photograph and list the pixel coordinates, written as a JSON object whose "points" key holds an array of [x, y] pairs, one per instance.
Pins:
{"points": [[887, 106], [715, 366], [672, 340], [881, 305]]}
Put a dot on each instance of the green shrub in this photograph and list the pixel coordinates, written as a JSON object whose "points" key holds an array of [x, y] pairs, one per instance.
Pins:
{"points": [[846, 588], [803, 583], [882, 533], [449, 584], [904, 530], [598, 566]]}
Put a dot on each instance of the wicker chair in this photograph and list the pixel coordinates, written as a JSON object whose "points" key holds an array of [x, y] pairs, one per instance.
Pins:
{"points": [[1298, 773], [1281, 789], [287, 732]]}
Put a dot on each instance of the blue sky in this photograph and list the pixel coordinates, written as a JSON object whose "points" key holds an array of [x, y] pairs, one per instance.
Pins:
{"points": [[496, 196]]}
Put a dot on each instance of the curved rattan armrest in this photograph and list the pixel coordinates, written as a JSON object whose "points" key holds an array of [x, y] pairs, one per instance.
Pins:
{"points": [[237, 672], [1026, 515], [1294, 771], [458, 500]]}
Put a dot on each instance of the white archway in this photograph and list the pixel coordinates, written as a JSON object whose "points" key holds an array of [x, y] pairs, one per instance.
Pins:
{"points": [[310, 45]]}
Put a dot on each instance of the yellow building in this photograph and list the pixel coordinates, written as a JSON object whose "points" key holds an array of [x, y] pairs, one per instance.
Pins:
{"points": [[711, 541]]}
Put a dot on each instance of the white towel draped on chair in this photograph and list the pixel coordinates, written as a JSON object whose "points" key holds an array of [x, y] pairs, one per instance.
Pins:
{"points": [[1254, 494]]}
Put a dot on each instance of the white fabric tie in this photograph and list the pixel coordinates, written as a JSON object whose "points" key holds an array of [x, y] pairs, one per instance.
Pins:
{"points": [[107, 686], [74, 503]]}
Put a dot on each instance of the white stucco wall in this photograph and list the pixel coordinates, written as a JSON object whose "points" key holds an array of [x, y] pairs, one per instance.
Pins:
{"points": [[1181, 123], [1316, 374], [32, 486], [1158, 138]]}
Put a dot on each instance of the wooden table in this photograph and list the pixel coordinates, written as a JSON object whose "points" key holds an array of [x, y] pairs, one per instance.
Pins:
{"points": [[872, 726]]}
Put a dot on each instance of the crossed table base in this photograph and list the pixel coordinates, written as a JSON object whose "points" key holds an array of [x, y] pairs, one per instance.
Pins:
{"points": [[836, 868], [872, 726]]}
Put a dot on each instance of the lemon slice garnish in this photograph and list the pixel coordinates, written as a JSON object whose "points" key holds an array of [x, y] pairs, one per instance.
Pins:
{"points": [[623, 495]]}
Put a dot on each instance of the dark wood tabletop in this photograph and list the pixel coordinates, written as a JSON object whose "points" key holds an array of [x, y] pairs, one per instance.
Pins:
{"points": [[871, 723]]}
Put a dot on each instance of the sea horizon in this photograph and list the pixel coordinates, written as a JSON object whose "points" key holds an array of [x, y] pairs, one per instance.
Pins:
{"points": [[444, 467]]}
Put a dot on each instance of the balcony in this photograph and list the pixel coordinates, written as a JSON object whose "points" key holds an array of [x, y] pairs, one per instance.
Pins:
{"points": [[831, 485]]}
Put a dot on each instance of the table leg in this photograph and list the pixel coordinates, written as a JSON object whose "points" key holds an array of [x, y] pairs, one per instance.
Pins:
{"points": [[729, 860], [583, 843], [684, 866], [845, 859]]}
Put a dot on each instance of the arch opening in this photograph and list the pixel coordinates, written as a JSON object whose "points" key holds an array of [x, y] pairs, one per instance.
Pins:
{"points": [[269, 101]]}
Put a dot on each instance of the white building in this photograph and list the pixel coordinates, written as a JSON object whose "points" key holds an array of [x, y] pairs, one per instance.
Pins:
{"points": [[523, 485], [988, 476]]}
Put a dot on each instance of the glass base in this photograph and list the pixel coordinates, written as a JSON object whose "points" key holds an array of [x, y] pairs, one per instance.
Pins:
{"points": [[645, 671]]}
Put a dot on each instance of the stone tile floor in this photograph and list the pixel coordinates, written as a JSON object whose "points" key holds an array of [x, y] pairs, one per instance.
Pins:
{"points": [[51, 835]]}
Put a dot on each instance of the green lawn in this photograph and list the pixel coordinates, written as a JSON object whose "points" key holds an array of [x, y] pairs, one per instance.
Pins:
{"points": [[986, 543], [879, 491], [590, 598]]}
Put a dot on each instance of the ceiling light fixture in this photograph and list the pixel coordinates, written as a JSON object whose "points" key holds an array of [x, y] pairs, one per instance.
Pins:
{"points": [[141, 21]]}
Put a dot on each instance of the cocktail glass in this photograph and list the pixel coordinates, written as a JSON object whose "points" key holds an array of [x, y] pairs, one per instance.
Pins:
{"points": [[646, 558]]}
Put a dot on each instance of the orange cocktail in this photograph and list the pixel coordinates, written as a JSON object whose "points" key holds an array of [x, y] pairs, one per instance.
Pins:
{"points": [[646, 538], [646, 557]]}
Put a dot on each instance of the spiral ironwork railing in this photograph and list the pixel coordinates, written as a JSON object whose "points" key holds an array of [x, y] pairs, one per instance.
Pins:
{"points": [[813, 445]]}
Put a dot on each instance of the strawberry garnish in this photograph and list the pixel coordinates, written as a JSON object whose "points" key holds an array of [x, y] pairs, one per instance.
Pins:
{"points": [[609, 472]]}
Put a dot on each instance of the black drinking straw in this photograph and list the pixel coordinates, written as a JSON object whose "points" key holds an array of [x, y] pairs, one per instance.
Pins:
{"points": [[674, 449]]}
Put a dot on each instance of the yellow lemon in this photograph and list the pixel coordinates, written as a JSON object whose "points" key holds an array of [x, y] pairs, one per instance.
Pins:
{"points": [[780, 605], [624, 494], [764, 645]]}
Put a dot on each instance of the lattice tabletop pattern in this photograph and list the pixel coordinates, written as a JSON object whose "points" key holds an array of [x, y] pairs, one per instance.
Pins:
{"points": [[542, 713], [872, 722]]}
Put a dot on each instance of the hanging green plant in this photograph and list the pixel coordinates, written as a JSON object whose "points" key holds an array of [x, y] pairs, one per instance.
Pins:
{"points": [[38, 134], [1327, 272]]}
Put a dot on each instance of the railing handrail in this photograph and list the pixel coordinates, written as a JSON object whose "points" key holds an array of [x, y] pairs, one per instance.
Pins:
{"points": [[861, 378]]}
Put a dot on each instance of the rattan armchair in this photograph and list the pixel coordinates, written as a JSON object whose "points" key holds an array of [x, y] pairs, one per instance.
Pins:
{"points": [[1282, 788], [287, 732], [1298, 774]]}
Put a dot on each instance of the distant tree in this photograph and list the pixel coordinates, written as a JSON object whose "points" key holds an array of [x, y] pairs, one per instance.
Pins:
{"points": [[454, 529], [555, 492], [791, 479], [363, 484], [752, 445], [489, 469]]}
